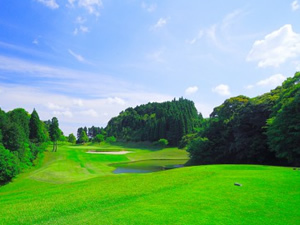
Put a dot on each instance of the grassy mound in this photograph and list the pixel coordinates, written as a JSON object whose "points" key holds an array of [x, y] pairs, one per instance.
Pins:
{"points": [[72, 187]]}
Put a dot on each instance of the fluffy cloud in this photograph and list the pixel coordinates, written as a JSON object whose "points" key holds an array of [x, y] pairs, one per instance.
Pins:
{"points": [[54, 106], [272, 82], [222, 89], [276, 48], [92, 6], [66, 113], [295, 5], [191, 90], [115, 100], [49, 3], [101, 97], [77, 56]]}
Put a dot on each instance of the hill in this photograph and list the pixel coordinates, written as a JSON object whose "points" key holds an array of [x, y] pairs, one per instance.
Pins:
{"points": [[154, 121]]}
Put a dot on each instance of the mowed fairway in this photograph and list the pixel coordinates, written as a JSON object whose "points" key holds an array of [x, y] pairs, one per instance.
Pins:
{"points": [[73, 187]]}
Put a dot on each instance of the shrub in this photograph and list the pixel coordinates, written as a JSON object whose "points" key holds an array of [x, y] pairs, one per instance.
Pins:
{"points": [[111, 139], [8, 165], [162, 142]]}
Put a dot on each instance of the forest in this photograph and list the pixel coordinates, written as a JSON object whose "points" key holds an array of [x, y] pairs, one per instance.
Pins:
{"points": [[155, 121], [23, 139], [260, 130]]}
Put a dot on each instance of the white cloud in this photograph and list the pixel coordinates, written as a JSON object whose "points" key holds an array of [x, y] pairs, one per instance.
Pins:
{"points": [[149, 7], [219, 33], [276, 48], [77, 56], [250, 86], [273, 81], [222, 89], [71, 2], [92, 6], [63, 113], [94, 111], [81, 28], [49, 3], [84, 29], [57, 86], [295, 5], [54, 106], [115, 100], [191, 90], [160, 23]]}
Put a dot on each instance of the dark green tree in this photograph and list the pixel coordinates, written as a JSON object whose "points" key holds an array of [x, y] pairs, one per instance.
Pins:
{"points": [[36, 133], [284, 127], [72, 138], [54, 132], [83, 137], [9, 166], [99, 138], [111, 139]]}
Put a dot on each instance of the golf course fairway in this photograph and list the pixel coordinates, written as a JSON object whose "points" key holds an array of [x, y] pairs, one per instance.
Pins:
{"points": [[72, 187]]}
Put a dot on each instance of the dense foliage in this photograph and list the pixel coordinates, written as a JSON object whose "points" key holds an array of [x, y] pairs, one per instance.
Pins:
{"points": [[154, 121], [94, 134], [22, 138], [264, 130]]}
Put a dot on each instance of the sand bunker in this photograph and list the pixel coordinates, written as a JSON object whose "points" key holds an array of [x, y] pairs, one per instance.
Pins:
{"points": [[110, 153]]}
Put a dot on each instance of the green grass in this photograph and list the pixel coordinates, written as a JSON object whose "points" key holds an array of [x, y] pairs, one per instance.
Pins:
{"points": [[73, 187]]}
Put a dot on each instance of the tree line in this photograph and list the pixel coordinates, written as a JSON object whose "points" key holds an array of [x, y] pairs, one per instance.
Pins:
{"points": [[263, 130], [92, 134], [23, 137], [154, 121]]}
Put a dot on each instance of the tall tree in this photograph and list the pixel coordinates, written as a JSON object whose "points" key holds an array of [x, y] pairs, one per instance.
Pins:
{"points": [[35, 128], [54, 133], [72, 138], [284, 126], [83, 137]]}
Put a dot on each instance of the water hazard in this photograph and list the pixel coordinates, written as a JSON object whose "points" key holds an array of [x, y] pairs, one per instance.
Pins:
{"points": [[148, 166]]}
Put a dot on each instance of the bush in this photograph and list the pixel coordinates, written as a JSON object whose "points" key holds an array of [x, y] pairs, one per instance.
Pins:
{"points": [[9, 167], [111, 139], [99, 138], [200, 150], [162, 142]]}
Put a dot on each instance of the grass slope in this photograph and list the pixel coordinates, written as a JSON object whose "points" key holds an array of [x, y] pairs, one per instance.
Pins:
{"points": [[72, 187]]}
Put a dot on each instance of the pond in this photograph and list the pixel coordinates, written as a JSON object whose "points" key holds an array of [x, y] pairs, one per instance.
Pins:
{"points": [[148, 166]]}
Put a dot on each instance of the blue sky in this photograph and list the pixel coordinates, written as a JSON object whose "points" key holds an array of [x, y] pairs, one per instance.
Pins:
{"points": [[84, 61]]}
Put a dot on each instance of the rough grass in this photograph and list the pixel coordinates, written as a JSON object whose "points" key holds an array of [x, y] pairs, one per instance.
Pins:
{"points": [[72, 187]]}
